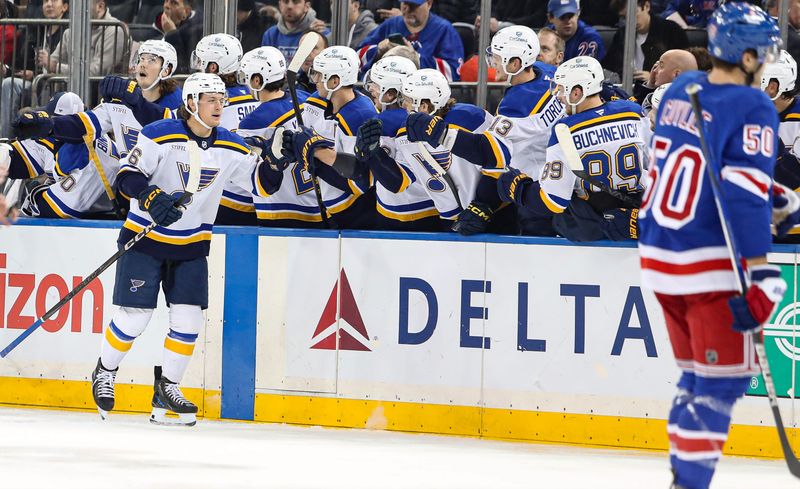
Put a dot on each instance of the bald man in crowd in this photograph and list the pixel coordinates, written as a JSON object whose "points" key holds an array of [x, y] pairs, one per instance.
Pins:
{"points": [[671, 64]]}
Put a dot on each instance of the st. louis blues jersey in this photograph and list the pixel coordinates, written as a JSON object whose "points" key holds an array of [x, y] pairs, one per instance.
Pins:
{"points": [[340, 128], [789, 129], [295, 199], [525, 118], [681, 242], [611, 141], [172, 100], [161, 156]]}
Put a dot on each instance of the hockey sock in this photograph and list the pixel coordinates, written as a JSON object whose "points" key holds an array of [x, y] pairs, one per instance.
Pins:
{"points": [[679, 403], [127, 324], [185, 322], [702, 429]]}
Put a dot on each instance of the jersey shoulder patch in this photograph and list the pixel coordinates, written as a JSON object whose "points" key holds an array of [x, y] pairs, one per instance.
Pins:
{"points": [[165, 131], [239, 94], [316, 100], [526, 99], [228, 140], [269, 114], [465, 116]]}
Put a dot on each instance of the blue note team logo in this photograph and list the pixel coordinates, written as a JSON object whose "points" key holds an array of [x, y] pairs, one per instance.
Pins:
{"points": [[135, 284]]}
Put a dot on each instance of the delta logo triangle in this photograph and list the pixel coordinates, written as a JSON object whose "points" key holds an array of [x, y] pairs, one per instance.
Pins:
{"points": [[353, 334]]}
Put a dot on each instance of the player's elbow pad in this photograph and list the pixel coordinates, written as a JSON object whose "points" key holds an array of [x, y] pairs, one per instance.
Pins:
{"points": [[269, 180], [131, 183], [479, 149]]}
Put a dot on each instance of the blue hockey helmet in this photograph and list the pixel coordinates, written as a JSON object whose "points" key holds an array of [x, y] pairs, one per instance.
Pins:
{"points": [[736, 27]]}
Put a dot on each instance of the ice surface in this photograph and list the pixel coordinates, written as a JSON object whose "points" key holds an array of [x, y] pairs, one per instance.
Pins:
{"points": [[57, 449]]}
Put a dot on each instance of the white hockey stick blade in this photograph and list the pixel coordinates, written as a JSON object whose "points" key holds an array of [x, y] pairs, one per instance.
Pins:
{"points": [[277, 142], [568, 148], [430, 159], [193, 182], [303, 50]]}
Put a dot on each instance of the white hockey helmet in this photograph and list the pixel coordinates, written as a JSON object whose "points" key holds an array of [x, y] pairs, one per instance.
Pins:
{"points": [[388, 73], [198, 83], [222, 49], [427, 84], [784, 69], [516, 41], [583, 71], [340, 61], [265, 61], [165, 51]]}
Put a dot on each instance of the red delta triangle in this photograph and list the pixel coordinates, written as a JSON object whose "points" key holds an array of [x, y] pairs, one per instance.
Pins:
{"points": [[349, 313]]}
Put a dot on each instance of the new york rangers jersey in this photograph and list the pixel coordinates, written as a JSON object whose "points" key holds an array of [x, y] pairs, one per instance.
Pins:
{"points": [[681, 242], [611, 141], [161, 156], [525, 118], [585, 42], [438, 44]]}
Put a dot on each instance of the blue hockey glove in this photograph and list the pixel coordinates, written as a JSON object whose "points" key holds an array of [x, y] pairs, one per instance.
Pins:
{"points": [[160, 205], [33, 125], [511, 185], [785, 209], [474, 219], [754, 309], [302, 144], [423, 127], [368, 139], [275, 162], [118, 88]]}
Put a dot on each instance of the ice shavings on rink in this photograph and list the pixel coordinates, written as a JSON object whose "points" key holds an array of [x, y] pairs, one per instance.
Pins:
{"points": [[56, 449]]}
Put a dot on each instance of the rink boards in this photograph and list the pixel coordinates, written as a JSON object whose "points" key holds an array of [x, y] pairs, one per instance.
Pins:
{"points": [[503, 337]]}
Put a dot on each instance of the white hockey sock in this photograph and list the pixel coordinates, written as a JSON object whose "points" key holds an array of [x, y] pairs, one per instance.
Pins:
{"points": [[185, 322], [127, 324]]}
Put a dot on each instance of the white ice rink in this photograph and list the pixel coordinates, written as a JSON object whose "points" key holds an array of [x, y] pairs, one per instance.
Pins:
{"points": [[60, 450]]}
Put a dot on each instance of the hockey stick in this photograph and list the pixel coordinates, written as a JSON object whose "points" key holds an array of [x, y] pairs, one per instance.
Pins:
{"points": [[300, 56], [440, 172], [575, 164], [88, 140], [192, 184], [693, 91]]}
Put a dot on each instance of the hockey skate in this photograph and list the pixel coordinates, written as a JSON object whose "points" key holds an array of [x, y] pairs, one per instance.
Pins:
{"points": [[169, 398], [103, 388]]}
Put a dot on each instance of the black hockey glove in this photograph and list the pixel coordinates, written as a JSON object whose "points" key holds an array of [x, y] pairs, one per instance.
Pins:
{"points": [[423, 127], [118, 88], [511, 185], [33, 125], [368, 138], [275, 162], [302, 145], [474, 219], [160, 205]]}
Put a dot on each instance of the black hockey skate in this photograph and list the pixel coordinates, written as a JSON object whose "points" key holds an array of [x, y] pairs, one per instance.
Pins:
{"points": [[169, 398], [103, 388]]}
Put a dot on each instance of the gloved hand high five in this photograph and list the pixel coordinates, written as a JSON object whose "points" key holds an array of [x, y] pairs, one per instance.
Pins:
{"points": [[752, 310], [302, 144], [33, 125], [160, 205], [265, 149], [368, 138], [122, 89], [785, 209], [423, 127]]}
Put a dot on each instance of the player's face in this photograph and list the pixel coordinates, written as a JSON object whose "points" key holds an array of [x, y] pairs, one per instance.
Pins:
{"points": [[415, 16], [566, 25], [292, 10], [772, 89], [210, 108], [548, 52], [147, 69]]}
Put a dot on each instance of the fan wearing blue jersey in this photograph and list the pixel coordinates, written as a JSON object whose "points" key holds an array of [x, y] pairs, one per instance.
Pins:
{"points": [[685, 258], [610, 138], [332, 116], [293, 204], [173, 256]]}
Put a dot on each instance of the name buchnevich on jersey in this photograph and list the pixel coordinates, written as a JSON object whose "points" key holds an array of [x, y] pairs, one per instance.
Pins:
{"points": [[678, 113], [622, 131]]}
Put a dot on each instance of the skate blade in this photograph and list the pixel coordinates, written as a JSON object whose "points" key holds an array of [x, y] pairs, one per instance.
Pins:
{"points": [[103, 414], [159, 416]]}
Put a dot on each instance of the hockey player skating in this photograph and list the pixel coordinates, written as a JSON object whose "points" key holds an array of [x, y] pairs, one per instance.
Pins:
{"points": [[685, 257], [174, 255]]}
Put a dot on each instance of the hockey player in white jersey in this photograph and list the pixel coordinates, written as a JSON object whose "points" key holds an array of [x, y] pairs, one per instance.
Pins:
{"points": [[778, 81], [294, 204], [651, 103], [610, 138], [174, 254]]}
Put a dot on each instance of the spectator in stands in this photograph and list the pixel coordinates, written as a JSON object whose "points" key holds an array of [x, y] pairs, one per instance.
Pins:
{"points": [[551, 47], [183, 28], [690, 13], [302, 77], [671, 64], [251, 24], [793, 41], [16, 79], [435, 39], [701, 57], [654, 36], [530, 13], [297, 17], [581, 39], [108, 44], [361, 23]]}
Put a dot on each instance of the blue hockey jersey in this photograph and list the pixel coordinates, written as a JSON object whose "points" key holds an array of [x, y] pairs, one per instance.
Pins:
{"points": [[585, 42], [438, 44], [681, 243]]}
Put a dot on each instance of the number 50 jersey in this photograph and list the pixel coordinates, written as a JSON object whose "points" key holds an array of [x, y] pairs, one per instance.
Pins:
{"points": [[681, 242]]}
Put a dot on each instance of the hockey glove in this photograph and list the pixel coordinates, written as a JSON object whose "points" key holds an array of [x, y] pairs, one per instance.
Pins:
{"points": [[368, 139], [33, 125], [264, 149], [302, 144], [118, 88], [511, 185], [754, 309], [474, 219], [423, 127], [620, 224], [785, 209], [160, 205]]}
